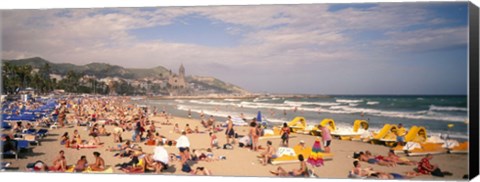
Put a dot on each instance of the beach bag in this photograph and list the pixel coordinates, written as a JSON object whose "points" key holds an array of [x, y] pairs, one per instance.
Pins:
{"points": [[437, 172], [186, 168], [227, 146]]}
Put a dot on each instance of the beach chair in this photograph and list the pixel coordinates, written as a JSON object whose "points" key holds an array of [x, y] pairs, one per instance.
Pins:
{"points": [[20, 145], [6, 126], [31, 138]]}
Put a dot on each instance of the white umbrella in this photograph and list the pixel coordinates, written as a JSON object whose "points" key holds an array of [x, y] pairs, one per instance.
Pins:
{"points": [[183, 141], [160, 154]]}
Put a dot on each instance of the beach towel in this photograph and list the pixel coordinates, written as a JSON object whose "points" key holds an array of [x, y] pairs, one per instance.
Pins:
{"points": [[284, 151], [449, 144], [411, 146]]}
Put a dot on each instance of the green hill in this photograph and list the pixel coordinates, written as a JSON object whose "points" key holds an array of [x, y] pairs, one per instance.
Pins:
{"points": [[103, 70]]}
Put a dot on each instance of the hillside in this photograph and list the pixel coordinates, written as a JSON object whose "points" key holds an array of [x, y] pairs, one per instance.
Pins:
{"points": [[103, 70], [100, 70]]}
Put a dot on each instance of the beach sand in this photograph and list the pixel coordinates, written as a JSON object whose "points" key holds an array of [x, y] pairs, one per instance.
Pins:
{"points": [[239, 161]]}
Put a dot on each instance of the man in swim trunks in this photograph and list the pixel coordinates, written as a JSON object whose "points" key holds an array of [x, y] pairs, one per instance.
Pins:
{"points": [[269, 154], [229, 132]]}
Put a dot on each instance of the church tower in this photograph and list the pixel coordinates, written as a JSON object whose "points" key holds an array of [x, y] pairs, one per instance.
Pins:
{"points": [[181, 71]]}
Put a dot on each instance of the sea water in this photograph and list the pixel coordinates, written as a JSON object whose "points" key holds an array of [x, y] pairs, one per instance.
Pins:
{"points": [[434, 113]]}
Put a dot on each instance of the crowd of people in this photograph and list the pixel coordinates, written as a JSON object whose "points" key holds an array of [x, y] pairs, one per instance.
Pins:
{"points": [[109, 119]]}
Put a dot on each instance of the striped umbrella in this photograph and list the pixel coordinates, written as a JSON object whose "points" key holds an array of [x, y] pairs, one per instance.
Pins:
{"points": [[315, 158]]}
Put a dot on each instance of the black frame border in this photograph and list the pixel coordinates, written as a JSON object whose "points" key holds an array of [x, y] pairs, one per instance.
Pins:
{"points": [[474, 90]]}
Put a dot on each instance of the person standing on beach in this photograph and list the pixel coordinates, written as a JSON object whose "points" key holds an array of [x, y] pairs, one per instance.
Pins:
{"points": [[285, 133], [229, 132], [326, 137], [401, 132], [253, 135], [62, 114], [136, 131]]}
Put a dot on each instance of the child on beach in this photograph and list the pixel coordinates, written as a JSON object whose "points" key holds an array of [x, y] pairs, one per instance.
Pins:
{"points": [[176, 128], [213, 140], [188, 129]]}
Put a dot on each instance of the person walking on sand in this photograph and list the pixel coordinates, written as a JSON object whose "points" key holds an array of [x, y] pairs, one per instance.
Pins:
{"points": [[229, 132], [285, 133], [326, 138]]}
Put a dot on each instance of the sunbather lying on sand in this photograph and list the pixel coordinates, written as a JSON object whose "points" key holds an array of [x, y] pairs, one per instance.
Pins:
{"points": [[392, 157], [374, 160], [206, 156], [120, 147], [300, 172], [358, 172]]}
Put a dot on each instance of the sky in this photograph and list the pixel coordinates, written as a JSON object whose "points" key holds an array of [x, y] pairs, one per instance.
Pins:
{"points": [[363, 48]]}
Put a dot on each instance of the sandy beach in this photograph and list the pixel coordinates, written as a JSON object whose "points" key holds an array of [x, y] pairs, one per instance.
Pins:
{"points": [[239, 161]]}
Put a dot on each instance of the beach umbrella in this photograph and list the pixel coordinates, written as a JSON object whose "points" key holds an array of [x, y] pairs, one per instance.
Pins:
{"points": [[183, 141], [160, 154], [315, 159], [259, 116]]}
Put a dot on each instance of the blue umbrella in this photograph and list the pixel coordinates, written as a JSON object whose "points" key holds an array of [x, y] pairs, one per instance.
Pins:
{"points": [[259, 116]]}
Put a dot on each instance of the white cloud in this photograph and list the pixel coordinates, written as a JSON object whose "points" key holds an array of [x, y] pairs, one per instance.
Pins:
{"points": [[287, 34]]}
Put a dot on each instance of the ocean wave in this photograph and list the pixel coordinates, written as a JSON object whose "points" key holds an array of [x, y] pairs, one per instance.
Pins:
{"points": [[300, 103], [348, 101], [446, 108], [372, 103], [207, 112], [352, 104], [231, 100], [179, 101], [261, 99], [211, 102]]}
